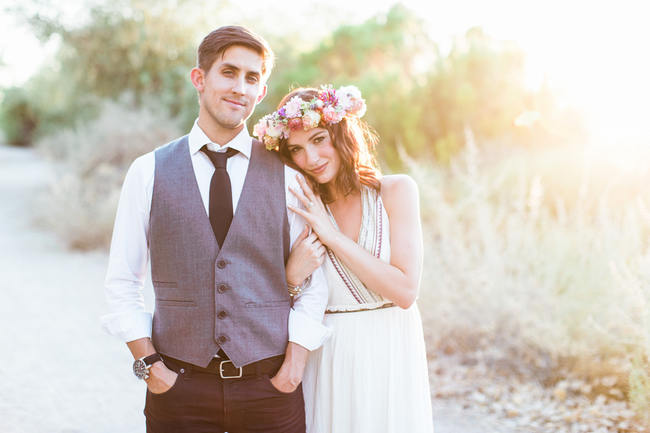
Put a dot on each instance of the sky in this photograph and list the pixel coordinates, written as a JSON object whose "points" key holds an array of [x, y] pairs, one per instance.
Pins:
{"points": [[593, 54]]}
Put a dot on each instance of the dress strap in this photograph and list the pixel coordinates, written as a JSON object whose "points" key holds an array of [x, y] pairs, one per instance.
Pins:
{"points": [[370, 238]]}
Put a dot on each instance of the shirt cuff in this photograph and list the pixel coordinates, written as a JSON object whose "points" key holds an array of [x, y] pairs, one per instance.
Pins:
{"points": [[128, 326], [307, 332]]}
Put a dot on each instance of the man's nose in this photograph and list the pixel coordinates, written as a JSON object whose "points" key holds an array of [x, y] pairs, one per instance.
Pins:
{"points": [[238, 86]]}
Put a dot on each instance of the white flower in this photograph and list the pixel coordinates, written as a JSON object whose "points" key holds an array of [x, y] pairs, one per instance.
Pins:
{"points": [[292, 108], [275, 130], [351, 91], [345, 101], [310, 120]]}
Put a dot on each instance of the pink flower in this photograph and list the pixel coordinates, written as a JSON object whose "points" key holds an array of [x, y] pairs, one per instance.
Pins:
{"points": [[295, 123], [328, 95], [330, 115], [351, 101], [259, 130], [358, 108]]}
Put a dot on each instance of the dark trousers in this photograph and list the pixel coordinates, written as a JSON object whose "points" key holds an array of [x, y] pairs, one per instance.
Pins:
{"points": [[202, 402]]}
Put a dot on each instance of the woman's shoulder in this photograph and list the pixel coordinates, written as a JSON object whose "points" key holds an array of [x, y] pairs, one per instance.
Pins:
{"points": [[397, 184], [398, 190]]}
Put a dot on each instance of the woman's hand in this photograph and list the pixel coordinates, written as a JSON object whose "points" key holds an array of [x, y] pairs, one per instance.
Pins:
{"points": [[307, 254], [314, 213]]}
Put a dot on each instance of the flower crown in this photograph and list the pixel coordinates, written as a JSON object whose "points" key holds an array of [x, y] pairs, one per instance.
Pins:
{"points": [[328, 107]]}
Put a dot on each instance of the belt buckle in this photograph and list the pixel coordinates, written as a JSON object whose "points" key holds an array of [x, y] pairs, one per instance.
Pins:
{"points": [[241, 372]]}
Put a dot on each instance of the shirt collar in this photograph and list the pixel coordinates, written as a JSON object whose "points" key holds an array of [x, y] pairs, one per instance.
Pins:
{"points": [[242, 142]]}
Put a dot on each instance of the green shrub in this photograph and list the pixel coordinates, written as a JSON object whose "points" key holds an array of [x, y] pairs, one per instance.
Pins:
{"points": [[19, 117]]}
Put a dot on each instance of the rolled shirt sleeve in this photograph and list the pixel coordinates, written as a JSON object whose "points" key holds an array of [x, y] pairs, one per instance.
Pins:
{"points": [[306, 317], [127, 318]]}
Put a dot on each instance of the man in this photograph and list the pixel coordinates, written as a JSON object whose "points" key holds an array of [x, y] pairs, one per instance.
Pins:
{"points": [[223, 322]]}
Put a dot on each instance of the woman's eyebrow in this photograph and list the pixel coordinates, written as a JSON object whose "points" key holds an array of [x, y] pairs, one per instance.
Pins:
{"points": [[315, 134]]}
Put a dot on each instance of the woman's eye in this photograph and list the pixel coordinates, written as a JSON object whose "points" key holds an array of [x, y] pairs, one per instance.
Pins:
{"points": [[318, 139], [294, 150]]}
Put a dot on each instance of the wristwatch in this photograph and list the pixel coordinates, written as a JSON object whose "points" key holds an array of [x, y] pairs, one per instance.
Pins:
{"points": [[141, 366]]}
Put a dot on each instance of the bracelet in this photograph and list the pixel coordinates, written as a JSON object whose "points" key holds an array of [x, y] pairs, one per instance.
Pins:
{"points": [[294, 290]]}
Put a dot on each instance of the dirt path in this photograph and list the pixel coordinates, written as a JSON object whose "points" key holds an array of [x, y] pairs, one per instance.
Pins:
{"points": [[60, 372]]}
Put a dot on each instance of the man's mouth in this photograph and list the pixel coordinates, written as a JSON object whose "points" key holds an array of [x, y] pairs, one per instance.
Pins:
{"points": [[235, 102]]}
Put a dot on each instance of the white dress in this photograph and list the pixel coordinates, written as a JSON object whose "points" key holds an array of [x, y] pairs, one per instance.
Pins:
{"points": [[371, 376]]}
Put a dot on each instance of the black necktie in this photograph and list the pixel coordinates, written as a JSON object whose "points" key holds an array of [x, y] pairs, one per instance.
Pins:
{"points": [[220, 205]]}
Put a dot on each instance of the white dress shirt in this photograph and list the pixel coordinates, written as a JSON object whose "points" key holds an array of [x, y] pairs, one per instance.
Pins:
{"points": [[129, 255]]}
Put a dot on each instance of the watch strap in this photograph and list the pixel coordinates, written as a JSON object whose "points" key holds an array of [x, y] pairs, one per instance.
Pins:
{"points": [[149, 360]]}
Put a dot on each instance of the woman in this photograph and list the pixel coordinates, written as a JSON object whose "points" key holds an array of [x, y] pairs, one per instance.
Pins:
{"points": [[371, 376]]}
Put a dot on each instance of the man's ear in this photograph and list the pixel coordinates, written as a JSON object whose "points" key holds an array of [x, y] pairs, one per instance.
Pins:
{"points": [[198, 78], [261, 95]]}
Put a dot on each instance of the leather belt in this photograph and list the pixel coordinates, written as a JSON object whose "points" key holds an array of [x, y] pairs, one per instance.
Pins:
{"points": [[225, 369]]}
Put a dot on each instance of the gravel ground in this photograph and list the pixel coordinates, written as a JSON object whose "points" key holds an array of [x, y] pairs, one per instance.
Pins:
{"points": [[60, 372]]}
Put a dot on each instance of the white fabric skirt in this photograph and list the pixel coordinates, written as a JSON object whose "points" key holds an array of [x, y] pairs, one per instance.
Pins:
{"points": [[371, 376]]}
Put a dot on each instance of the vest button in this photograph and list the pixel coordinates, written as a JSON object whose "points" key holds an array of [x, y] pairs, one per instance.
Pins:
{"points": [[222, 288], [221, 264], [222, 315], [223, 339]]}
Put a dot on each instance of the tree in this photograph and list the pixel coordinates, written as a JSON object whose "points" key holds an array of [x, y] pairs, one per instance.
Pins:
{"points": [[128, 46], [386, 57]]}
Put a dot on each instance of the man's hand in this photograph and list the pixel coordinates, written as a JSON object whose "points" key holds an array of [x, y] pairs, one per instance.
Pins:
{"points": [[161, 378], [290, 374]]}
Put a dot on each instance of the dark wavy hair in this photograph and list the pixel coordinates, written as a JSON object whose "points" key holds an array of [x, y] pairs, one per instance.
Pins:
{"points": [[354, 141]]}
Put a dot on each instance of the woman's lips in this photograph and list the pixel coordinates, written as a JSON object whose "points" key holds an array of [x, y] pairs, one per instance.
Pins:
{"points": [[318, 170]]}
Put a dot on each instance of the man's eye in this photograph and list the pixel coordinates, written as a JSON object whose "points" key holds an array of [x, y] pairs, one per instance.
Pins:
{"points": [[227, 72], [252, 80]]}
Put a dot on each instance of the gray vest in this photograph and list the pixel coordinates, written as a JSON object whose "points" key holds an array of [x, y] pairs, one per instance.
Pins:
{"points": [[234, 297]]}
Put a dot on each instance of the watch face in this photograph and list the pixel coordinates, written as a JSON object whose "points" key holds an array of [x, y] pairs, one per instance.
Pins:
{"points": [[140, 369]]}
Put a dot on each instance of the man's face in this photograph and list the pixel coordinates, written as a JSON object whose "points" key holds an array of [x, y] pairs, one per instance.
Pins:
{"points": [[232, 87]]}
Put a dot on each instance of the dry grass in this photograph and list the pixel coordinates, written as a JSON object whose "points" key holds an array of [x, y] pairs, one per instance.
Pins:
{"points": [[542, 260], [91, 162]]}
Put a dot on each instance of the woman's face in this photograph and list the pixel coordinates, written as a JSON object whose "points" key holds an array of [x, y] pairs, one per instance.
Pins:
{"points": [[314, 153]]}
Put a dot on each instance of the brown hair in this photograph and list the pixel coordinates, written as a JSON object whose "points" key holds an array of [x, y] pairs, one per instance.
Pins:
{"points": [[354, 141], [219, 40]]}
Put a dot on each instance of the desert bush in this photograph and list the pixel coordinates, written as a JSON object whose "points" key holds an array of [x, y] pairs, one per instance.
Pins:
{"points": [[91, 161], [19, 117], [550, 282]]}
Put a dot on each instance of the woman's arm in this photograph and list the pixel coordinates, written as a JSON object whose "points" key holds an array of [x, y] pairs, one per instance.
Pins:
{"points": [[398, 280]]}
